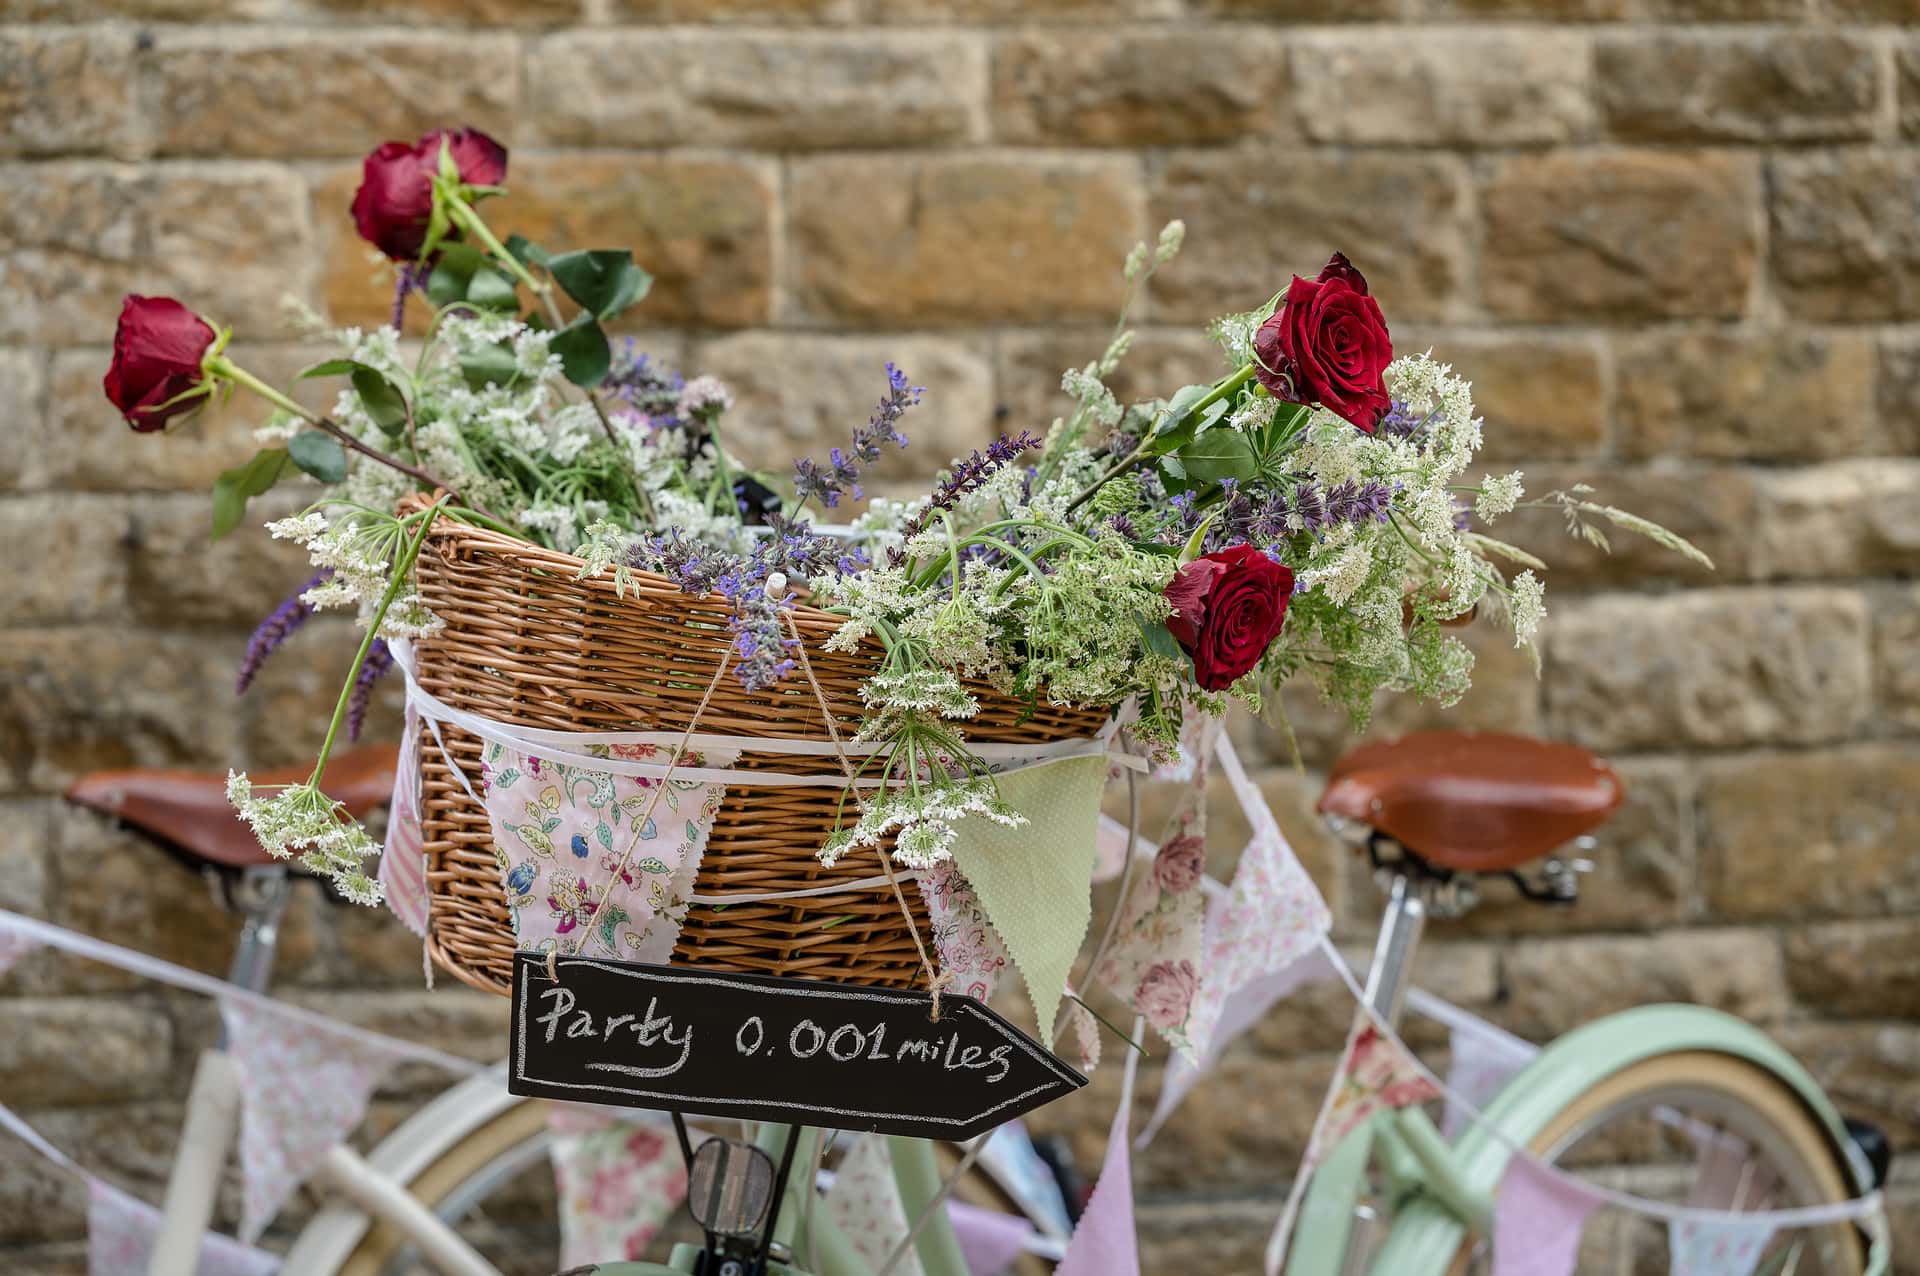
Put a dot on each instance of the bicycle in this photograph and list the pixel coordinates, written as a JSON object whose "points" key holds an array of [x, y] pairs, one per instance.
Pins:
{"points": [[422, 1194]]}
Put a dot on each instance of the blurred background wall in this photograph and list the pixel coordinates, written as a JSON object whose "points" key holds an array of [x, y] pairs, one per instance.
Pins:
{"points": [[1673, 243]]}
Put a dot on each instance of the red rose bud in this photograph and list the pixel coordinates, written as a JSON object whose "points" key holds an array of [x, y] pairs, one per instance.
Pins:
{"points": [[395, 200], [156, 373], [1328, 344], [1228, 608]]}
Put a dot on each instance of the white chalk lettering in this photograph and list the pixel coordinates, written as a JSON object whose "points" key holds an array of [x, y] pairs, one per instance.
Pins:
{"points": [[841, 1053], [563, 1002], [740, 1042], [793, 1040]]}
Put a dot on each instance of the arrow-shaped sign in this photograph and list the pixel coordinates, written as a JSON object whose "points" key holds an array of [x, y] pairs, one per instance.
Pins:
{"points": [[803, 1051]]}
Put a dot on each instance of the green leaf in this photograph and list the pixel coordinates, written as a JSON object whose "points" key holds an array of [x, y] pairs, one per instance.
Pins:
{"points": [[1220, 454], [453, 273], [491, 290], [1156, 638], [490, 365], [319, 454], [328, 368], [527, 252], [584, 354], [235, 487], [604, 280], [380, 398]]}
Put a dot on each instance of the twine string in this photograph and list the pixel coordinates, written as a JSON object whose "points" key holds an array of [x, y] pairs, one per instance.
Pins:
{"points": [[640, 823], [936, 980]]}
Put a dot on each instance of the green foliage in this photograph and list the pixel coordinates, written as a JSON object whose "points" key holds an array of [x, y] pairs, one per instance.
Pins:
{"points": [[604, 281], [319, 454], [585, 356], [235, 487]]}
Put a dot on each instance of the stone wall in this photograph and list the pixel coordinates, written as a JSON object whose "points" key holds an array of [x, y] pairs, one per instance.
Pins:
{"points": [[1672, 241]]}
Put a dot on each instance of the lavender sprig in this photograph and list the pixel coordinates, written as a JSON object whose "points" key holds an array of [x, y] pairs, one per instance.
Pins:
{"points": [[841, 475], [1400, 422], [281, 624], [650, 389], [968, 474], [378, 661]]}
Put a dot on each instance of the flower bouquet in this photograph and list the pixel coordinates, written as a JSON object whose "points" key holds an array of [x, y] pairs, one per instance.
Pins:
{"points": [[659, 712]]}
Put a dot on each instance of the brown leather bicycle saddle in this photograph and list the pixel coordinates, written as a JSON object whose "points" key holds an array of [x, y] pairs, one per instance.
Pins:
{"points": [[187, 811], [1473, 801]]}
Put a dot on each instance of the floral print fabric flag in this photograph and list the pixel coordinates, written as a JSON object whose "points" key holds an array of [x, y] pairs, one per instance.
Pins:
{"points": [[968, 946], [121, 1231], [618, 1179], [403, 867], [561, 829], [302, 1089], [1717, 1247], [1376, 1074], [865, 1205]]}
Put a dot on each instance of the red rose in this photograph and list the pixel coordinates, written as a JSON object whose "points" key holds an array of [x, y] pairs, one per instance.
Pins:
{"points": [[1227, 608], [395, 200], [1328, 344], [156, 374]]}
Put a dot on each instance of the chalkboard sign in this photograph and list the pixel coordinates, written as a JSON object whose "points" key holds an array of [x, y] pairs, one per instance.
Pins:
{"points": [[803, 1051]]}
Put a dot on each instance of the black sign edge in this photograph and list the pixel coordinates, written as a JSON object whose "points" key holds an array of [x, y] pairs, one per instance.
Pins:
{"points": [[519, 1083]]}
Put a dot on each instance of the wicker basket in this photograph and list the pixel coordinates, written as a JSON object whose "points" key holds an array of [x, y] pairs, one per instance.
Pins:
{"points": [[528, 644]]}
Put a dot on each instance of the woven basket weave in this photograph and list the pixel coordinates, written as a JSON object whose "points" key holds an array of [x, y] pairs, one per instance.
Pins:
{"points": [[526, 643]]}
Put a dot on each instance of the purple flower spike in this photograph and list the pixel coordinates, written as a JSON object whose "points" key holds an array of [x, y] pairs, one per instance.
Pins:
{"points": [[378, 661], [840, 476], [281, 624]]}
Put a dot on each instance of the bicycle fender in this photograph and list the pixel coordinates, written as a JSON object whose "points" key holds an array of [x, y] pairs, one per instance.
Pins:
{"points": [[1426, 1236]]}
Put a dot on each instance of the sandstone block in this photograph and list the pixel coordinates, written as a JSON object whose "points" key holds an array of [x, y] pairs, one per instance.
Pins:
{"points": [[1160, 361], [1734, 395], [1256, 216], [1843, 248], [1869, 970], [229, 242], [1568, 10], [75, 700], [84, 445], [1906, 73], [67, 92], [797, 395], [981, 12], [1712, 668], [1557, 986], [1897, 396], [1443, 87], [1542, 396], [268, 94], [1711, 506], [23, 387], [1080, 87], [440, 13], [784, 91], [951, 239], [283, 716], [178, 578], [1623, 236], [1788, 86], [77, 550], [1816, 834], [83, 1050], [1896, 637], [1867, 1068], [1845, 518]]}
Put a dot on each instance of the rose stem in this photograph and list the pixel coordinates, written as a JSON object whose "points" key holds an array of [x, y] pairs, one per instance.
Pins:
{"points": [[1219, 392]]}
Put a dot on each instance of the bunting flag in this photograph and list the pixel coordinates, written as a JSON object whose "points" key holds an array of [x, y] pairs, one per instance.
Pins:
{"points": [[121, 1231], [864, 1204], [1485, 1059], [1717, 1247], [1273, 916], [1035, 880], [403, 863], [968, 946], [618, 1176], [1104, 1243], [989, 1240], [1537, 1220], [302, 1089]]}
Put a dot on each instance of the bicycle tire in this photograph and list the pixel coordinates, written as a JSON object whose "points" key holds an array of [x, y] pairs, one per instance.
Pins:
{"points": [[1776, 1105]]}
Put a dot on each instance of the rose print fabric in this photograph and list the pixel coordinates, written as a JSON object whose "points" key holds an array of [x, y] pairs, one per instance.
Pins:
{"points": [[403, 867], [865, 1205], [560, 830], [618, 1179], [1377, 1074], [968, 946], [121, 1231], [302, 1089]]}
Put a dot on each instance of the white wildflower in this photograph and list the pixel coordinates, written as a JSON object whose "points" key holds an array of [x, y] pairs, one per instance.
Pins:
{"points": [[1172, 235], [1498, 496], [1528, 607], [702, 396]]}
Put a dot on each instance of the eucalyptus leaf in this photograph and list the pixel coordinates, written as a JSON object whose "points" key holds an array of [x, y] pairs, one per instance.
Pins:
{"points": [[380, 398], [584, 354], [328, 368], [490, 365], [527, 252], [235, 487], [319, 454], [453, 273], [491, 290], [603, 280], [1220, 454]]}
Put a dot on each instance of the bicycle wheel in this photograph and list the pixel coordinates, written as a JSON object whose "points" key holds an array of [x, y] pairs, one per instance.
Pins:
{"points": [[1645, 1127]]}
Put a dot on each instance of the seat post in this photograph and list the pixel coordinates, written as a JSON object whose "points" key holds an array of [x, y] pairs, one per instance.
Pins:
{"points": [[260, 896], [1400, 929]]}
